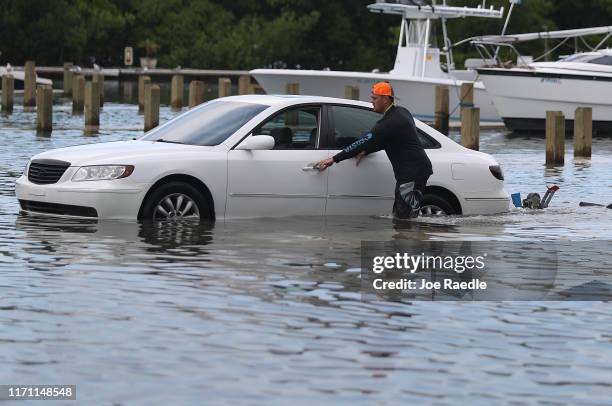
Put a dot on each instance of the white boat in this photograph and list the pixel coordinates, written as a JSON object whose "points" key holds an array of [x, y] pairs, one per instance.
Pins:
{"points": [[524, 93], [417, 70], [19, 76]]}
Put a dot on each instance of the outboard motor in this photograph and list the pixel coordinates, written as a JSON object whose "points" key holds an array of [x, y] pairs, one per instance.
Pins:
{"points": [[533, 200]]}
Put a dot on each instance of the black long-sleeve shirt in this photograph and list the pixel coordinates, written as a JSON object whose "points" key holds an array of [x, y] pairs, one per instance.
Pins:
{"points": [[396, 133]]}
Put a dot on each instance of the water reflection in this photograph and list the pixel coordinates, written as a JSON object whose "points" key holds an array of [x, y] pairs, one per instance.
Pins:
{"points": [[582, 164], [274, 306]]}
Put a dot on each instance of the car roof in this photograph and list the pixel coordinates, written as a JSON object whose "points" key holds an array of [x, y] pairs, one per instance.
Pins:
{"points": [[287, 99]]}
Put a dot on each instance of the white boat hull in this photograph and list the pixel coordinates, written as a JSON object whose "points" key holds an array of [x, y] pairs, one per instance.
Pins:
{"points": [[416, 94], [523, 96], [20, 76]]}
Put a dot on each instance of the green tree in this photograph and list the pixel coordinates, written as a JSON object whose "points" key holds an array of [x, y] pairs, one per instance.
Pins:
{"points": [[244, 34]]}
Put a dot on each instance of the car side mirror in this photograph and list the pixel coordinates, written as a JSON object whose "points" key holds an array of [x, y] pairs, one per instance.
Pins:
{"points": [[256, 143]]}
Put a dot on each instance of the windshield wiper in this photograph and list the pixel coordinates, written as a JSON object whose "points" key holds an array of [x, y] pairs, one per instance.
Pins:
{"points": [[168, 141]]}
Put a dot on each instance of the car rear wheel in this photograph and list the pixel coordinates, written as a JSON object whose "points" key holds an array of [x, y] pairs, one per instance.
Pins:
{"points": [[434, 205], [176, 201]]}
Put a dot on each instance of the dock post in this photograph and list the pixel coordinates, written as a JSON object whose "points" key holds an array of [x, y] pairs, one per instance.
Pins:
{"points": [[99, 79], [143, 81], [351, 92], [128, 91], [470, 128], [68, 78], [151, 108], [225, 87], [293, 88], [78, 94], [44, 109], [8, 93], [244, 82], [255, 89], [92, 107], [583, 132], [176, 92], [29, 89], [555, 138], [441, 121], [467, 94], [196, 93]]}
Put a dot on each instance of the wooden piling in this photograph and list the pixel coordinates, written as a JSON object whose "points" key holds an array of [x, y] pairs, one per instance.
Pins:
{"points": [[8, 93], [351, 92], [225, 87], [92, 106], [583, 132], [555, 138], [196, 93], [441, 118], [29, 89], [44, 108], [255, 89], [151, 111], [78, 94], [293, 88], [68, 78], [99, 79], [244, 82], [470, 128], [143, 81], [128, 91], [176, 92], [467, 94]]}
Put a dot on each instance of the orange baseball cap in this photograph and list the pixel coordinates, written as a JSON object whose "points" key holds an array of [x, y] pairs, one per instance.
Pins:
{"points": [[382, 89]]}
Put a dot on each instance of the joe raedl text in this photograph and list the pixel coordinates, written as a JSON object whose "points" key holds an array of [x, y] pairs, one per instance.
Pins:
{"points": [[422, 284]]}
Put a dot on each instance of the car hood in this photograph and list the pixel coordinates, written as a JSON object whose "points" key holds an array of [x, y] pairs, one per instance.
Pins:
{"points": [[119, 152]]}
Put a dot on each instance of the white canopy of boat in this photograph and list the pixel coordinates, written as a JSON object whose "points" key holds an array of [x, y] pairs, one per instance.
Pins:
{"points": [[415, 9], [514, 38]]}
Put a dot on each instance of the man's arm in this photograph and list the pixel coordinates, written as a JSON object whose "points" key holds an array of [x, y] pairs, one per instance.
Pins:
{"points": [[372, 142]]}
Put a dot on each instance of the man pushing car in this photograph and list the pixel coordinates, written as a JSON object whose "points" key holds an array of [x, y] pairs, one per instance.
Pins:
{"points": [[396, 133]]}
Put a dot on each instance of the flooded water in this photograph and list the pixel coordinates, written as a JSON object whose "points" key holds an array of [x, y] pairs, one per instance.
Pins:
{"points": [[270, 311]]}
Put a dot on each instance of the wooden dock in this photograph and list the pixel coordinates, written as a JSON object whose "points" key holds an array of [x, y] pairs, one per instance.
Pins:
{"points": [[132, 74]]}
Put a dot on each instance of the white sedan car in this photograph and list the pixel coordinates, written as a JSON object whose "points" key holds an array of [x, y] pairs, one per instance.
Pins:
{"points": [[252, 156]]}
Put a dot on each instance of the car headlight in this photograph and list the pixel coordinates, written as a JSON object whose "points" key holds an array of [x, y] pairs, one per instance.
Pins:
{"points": [[102, 172]]}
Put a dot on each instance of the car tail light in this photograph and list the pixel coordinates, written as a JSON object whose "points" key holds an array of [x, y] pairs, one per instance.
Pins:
{"points": [[497, 171]]}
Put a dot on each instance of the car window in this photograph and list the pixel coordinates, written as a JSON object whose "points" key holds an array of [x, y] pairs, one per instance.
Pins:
{"points": [[427, 141], [352, 123], [293, 129], [209, 124]]}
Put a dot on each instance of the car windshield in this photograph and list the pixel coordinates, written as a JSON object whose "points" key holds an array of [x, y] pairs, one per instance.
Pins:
{"points": [[210, 124]]}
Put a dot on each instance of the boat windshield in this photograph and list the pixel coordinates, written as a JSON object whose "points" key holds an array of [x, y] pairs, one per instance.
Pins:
{"points": [[579, 58], [596, 59], [602, 60], [419, 32], [209, 124]]}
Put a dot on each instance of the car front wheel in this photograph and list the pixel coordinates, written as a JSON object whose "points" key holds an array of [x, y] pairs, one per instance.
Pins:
{"points": [[175, 201], [434, 205]]}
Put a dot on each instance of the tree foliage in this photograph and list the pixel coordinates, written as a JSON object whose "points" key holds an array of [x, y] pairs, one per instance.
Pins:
{"points": [[245, 34]]}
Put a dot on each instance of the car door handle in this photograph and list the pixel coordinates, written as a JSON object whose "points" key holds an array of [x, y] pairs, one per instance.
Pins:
{"points": [[310, 168]]}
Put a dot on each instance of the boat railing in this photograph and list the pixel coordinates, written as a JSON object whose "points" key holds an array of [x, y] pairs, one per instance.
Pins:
{"points": [[486, 44], [488, 51]]}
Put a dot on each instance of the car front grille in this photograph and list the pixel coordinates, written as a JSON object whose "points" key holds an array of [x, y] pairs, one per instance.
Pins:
{"points": [[46, 171], [57, 209]]}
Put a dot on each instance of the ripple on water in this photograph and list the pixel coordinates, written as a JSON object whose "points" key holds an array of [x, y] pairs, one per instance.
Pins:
{"points": [[259, 309]]}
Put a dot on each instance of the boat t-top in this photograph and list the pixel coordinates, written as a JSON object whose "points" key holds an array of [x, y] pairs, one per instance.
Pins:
{"points": [[417, 70]]}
